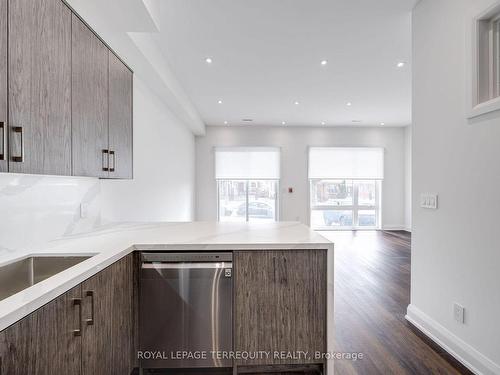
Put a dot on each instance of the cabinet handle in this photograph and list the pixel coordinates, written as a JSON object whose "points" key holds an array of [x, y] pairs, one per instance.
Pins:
{"points": [[78, 302], [284, 279], [105, 160], [274, 269], [19, 130], [113, 158], [2, 128], [90, 294]]}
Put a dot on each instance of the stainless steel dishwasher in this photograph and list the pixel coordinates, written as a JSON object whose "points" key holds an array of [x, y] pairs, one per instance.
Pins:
{"points": [[186, 310]]}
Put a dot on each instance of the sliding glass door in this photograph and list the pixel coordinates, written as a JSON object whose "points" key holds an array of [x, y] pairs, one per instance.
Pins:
{"points": [[247, 183], [345, 187], [248, 200], [345, 204]]}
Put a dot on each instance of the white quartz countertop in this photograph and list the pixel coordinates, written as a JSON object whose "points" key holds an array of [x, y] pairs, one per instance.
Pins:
{"points": [[112, 242]]}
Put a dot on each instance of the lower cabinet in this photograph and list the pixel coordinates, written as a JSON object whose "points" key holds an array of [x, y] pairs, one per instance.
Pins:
{"points": [[45, 342], [280, 305], [88, 330], [279, 308], [109, 320]]}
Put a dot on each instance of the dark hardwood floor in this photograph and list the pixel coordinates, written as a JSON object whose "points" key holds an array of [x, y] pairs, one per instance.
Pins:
{"points": [[372, 292]]}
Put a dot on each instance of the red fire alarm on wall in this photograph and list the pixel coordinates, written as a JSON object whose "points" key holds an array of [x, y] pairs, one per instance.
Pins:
{"points": [[290, 190]]}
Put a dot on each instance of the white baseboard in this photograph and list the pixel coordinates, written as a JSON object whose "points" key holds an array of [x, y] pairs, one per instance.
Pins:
{"points": [[393, 227], [463, 352]]}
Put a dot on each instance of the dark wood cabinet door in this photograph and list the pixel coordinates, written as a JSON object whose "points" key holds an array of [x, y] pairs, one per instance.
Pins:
{"points": [[39, 63], [96, 339], [280, 303], [120, 118], [108, 342], [3, 88], [43, 343], [89, 103], [123, 315]]}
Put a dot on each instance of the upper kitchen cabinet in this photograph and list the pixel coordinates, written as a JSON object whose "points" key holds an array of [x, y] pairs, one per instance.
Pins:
{"points": [[90, 103], [39, 86], [3, 87], [65, 98], [120, 119], [102, 108]]}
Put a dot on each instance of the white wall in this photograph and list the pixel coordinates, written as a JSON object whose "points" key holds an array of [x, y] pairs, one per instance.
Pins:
{"points": [[294, 143], [164, 161], [455, 249], [408, 178]]}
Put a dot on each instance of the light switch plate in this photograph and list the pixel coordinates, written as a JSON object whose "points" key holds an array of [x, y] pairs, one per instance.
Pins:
{"points": [[458, 313], [84, 210], [429, 200]]}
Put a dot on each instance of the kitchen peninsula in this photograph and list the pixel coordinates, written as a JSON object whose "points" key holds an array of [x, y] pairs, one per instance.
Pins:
{"points": [[85, 319]]}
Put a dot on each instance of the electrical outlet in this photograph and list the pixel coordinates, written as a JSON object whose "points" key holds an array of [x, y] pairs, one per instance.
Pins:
{"points": [[428, 200], [84, 210], [458, 313]]}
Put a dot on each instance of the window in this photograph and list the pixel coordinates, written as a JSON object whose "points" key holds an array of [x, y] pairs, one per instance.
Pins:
{"points": [[486, 63], [247, 183], [248, 200], [345, 187], [344, 204]]}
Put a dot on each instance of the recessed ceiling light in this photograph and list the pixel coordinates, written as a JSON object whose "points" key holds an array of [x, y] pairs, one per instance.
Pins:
{"points": [[382, 123], [225, 122], [296, 103], [283, 123], [323, 123], [401, 64], [208, 60], [348, 104], [324, 62], [220, 102]]}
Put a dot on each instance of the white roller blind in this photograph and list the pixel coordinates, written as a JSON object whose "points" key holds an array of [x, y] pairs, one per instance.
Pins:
{"points": [[232, 163], [357, 163]]}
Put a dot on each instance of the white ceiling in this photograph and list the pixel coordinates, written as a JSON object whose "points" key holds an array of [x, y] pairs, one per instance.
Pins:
{"points": [[129, 27], [266, 55]]}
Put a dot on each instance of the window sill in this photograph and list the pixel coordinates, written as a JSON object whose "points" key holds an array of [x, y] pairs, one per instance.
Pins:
{"points": [[485, 108]]}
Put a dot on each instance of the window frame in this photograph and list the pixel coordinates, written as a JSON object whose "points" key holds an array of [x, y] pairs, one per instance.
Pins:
{"points": [[484, 86], [247, 182], [355, 207]]}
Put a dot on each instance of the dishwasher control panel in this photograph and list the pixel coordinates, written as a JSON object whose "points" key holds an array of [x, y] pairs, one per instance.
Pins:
{"points": [[187, 257]]}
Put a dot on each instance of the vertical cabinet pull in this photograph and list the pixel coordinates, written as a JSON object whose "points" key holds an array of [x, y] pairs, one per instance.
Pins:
{"points": [[78, 302], [274, 269], [2, 140], [19, 130], [105, 160], [112, 156], [90, 294]]}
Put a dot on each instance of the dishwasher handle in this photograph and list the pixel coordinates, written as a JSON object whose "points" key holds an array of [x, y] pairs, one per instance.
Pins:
{"points": [[185, 266], [186, 257]]}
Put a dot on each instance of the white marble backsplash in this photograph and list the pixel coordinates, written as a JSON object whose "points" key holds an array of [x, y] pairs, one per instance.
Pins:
{"points": [[35, 209]]}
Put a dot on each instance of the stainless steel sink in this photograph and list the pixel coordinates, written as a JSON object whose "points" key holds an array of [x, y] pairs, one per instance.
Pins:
{"points": [[19, 275]]}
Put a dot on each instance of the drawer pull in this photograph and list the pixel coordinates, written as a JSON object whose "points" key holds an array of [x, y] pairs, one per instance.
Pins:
{"points": [[78, 302], [90, 294], [2, 141], [105, 160], [112, 156], [19, 130]]}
